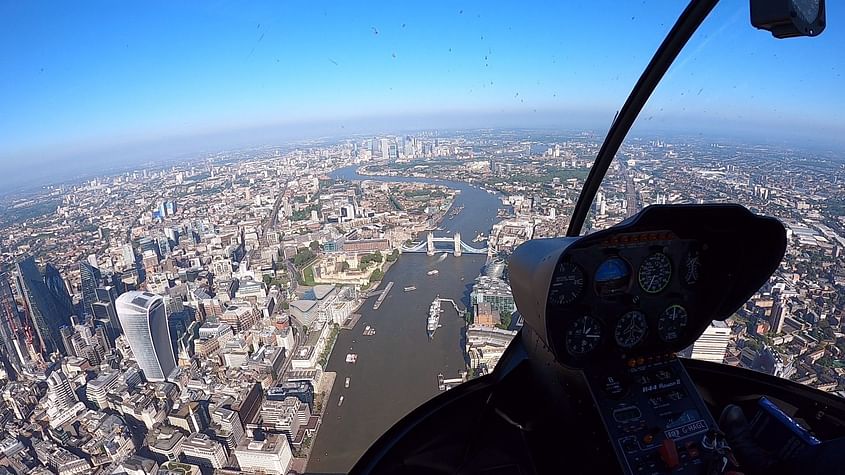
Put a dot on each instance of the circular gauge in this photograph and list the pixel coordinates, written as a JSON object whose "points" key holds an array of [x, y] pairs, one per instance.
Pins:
{"points": [[612, 277], [567, 284], [583, 336], [672, 323], [655, 273], [630, 329], [692, 268]]}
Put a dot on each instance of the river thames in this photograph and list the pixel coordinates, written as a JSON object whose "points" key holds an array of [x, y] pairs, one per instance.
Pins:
{"points": [[397, 367]]}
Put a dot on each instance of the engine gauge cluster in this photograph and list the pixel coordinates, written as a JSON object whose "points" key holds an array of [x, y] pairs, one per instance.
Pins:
{"points": [[672, 323], [692, 267]]}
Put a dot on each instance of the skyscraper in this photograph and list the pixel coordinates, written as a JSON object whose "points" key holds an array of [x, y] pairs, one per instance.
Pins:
{"points": [[147, 243], [105, 312], [144, 321], [58, 288], [172, 235], [47, 302], [128, 255], [86, 341], [90, 277], [11, 344], [60, 395], [385, 149], [778, 314], [67, 340]]}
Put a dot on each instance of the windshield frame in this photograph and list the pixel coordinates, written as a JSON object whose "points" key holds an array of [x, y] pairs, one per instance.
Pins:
{"points": [[687, 24]]}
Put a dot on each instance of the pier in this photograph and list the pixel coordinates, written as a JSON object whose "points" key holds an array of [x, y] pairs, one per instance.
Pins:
{"points": [[461, 313], [383, 295]]}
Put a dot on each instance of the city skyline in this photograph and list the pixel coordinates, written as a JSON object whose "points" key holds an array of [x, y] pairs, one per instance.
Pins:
{"points": [[103, 164], [278, 278], [263, 75]]}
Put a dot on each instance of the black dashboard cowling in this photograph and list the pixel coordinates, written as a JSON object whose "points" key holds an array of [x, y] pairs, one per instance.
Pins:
{"points": [[742, 251]]}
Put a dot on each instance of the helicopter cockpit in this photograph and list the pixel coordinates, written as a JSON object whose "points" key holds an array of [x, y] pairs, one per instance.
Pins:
{"points": [[608, 317], [622, 302]]}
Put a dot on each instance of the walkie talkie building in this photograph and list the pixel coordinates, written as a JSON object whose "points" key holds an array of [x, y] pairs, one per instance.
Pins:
{"points": [[144, 321]]}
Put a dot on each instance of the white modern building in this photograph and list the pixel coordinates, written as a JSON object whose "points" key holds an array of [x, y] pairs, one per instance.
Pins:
{"points": [[712, 344], [97, 390], [60, 395], [200, 449], [144, 321], [272, 456], [62, 403], [168, 443]]}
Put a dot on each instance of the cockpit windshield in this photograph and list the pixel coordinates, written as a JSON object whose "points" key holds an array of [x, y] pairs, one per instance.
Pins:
{"points": [[232, 230], [735, 120]]}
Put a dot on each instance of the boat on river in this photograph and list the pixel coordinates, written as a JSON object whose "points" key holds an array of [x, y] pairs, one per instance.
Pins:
{"points": [[433, 321], [433, 272]]}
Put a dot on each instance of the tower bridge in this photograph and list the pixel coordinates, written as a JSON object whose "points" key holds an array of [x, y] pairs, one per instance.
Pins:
{"points": [[456, 246]]}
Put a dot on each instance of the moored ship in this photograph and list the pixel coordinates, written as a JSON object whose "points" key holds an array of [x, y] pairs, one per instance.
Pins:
{"points": [[433, 318]]}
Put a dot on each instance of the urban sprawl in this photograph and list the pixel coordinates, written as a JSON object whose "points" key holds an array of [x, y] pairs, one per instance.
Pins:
{"points": [[179, 318]]}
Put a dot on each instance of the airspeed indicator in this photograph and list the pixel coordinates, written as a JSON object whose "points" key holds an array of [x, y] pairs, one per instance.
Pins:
{"points": [[655, 273]]}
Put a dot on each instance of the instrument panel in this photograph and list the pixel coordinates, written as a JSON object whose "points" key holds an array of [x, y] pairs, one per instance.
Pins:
{"points": [[649, 285], [628, 293], [617, 304], [654, 418]]}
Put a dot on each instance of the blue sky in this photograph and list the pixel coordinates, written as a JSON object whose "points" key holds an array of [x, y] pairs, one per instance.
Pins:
{"points": [[85, 78]]}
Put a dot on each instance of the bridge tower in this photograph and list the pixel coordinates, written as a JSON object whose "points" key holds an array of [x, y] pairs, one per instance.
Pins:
{"points": [[457, 244], [429, 249]]}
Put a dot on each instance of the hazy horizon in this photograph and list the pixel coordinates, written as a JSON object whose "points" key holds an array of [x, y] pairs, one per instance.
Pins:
{"points": [[177, 150], [104, 85]]}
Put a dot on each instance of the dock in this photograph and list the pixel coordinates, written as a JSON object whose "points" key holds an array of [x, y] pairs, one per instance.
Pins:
{"points": [[383, 295], [445, 384], [350, 322], [461, 313]]}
